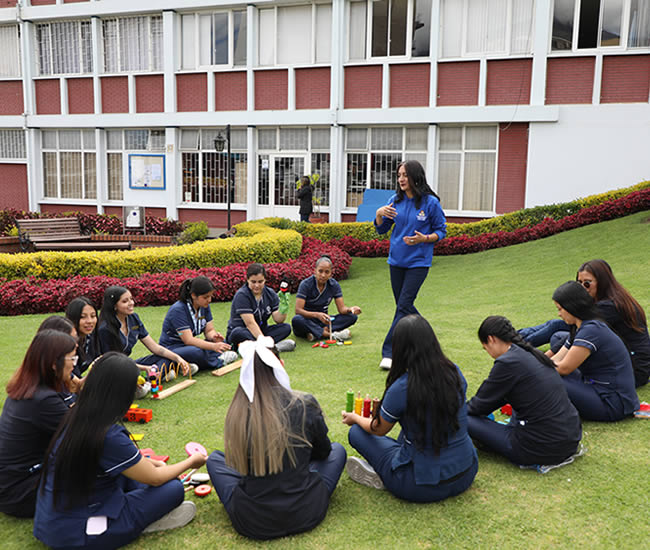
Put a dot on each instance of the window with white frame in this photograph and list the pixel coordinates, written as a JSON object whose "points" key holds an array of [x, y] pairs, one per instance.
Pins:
{"points": [[467, 167], [69, 164], [64, 47], [121, 142], [205, 171], [381, 28], [12, 145], [473, 28], [374, 155], [217, 38], [290, 35], [10, 48], [585, 24], [133, 44]]}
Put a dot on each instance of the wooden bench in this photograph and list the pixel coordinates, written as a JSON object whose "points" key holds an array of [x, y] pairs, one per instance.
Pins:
{"points": [[60, 234]]}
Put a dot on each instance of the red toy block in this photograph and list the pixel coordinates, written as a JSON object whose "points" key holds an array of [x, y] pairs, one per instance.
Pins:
{"points": [[138, 415]]}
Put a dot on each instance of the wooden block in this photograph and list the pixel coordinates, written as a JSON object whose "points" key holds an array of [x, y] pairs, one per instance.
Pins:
{"points": [[228, 368], [178, 387]]}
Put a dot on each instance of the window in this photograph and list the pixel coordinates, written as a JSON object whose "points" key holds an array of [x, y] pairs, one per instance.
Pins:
{"points": [[374, 155], [133, 44], [467, 167], [216, 43], [12, 145], [295, 35], [69, 164], [380, 28], [472, 28], [10, 48], [64, 47], [205, 171]]}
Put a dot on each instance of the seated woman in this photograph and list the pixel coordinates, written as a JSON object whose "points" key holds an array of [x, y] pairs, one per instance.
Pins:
{"points": [[594, 362], [98, 491], [190, 317], [31, 414], [83, 315], [616, 306], [120, 329], [312, 320], [252, 306], [279, 468], [545, 427], [433, 457]]}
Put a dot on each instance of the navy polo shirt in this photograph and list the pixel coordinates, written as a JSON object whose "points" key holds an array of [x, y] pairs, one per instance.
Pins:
{"points": [[136, 331], [315, 300], [182, 316], [244, 302]]}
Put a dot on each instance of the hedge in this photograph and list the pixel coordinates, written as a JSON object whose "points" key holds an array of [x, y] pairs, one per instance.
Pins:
{"points": [[266, 245]]}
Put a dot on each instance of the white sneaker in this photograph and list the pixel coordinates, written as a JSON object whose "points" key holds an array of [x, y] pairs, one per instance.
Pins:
{"points": [[143, 390], [362, 472], [171, 374], [178, 517], [341, 335], [194, 368], [229, 357], [386, 363], [286, 345]]}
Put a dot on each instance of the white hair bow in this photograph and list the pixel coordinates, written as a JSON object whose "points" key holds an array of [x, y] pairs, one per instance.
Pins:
{"points": [[262, 347]]}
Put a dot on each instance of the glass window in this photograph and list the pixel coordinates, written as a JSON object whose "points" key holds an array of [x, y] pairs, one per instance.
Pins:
{"points": [[10, 48], [357, 30], [12, 144], [206, 39], [133, 44], [294, 34], [69, 164], [390, 27], [293, 139], [64, 47], [421, 28], [639, 28], [266, 138]]}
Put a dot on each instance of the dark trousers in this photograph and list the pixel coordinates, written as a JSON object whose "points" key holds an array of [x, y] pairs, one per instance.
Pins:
{"points": [[542, 334], [303, 326], [496, 437], [304, 217], [406, 283], [588, 402], [278, 332], [379, 452], [204, 358]]}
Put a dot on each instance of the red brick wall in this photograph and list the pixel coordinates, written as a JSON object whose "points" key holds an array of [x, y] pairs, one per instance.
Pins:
{"points": [[313, 88], [8, 3], [409, 85], [192, 92], [508, 82], [214, 218], [48, 97], [626, 79], [230, 91], [11, 98], [363, 87], [43, 2], [13, 186], [271, 90], [115, 94], [569, 80], [347, 218], [58, 208], [458, 83], [80, 96], [149, 93], [511, 176]]}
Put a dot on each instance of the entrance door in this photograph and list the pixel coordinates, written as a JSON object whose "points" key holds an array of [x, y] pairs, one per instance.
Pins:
{"points": [[277, 177]]}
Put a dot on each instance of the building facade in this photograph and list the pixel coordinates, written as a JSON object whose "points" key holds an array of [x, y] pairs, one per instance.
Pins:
{"points": [[507, 103]]}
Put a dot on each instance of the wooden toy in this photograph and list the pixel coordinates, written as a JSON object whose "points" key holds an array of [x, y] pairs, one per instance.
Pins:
{"points": [[136, 437], [366, 406], [349, 401], [358, 403], [148, 453], [202, 490], [316, 345], [324, 345], [228, 368], [347, 343], [138, 415], [174, 389]]}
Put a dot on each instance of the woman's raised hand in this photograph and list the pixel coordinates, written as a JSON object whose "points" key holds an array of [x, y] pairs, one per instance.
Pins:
{"points": [[387, 212]]}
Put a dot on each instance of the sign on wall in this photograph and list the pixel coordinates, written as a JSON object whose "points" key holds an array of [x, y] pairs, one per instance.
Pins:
{"points": [[147, 172]]}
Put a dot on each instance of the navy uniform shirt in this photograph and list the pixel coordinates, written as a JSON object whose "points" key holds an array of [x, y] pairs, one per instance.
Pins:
{"points": [[182, 316], [315, 300], [244, 302], [136, 331]]}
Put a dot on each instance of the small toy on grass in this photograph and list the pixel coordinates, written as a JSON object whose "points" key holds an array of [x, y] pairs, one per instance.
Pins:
{"points": [[138, 415], [228, 368], [136, 437], [202, 490], [149, 453]]}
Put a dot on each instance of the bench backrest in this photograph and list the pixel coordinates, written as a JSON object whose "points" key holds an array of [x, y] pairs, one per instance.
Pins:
{"points": [[49, 227]]}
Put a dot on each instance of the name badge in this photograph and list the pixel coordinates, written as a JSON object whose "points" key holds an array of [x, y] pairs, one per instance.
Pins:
{"points": [[421, 217]]}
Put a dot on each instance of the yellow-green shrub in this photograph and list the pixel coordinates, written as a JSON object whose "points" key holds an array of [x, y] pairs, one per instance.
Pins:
{"points": [[364, 231]]}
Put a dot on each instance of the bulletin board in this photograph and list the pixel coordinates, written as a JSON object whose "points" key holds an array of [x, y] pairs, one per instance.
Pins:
{"points": [[147, 172]]}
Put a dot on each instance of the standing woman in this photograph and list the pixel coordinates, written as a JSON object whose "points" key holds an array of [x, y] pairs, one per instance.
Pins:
{"points": [[32, 411], [98, 491], [433, 458], [252, 306], [279, 468], [545, 427], [187, 319], [83, 315], [594, 362], [419, 222], [305, 194]]}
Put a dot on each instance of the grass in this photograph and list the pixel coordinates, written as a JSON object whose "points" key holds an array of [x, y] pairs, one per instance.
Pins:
{"points": [[600, 501]]}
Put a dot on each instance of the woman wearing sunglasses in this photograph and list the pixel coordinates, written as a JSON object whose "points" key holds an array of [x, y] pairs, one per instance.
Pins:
{"points": [[594, 362]]}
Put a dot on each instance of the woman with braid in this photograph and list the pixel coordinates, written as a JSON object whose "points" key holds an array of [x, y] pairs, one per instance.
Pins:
{"points": [[545, 427]]}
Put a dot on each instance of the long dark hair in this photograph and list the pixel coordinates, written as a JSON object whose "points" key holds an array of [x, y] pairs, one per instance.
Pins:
{"points": [[198, 285], [501, 328], [73, 313], [107, 394], [255, 269], [418, 181], [434, 390], [608, 288], [48, 348], [58, 323], [107, 315], [575, 299]]}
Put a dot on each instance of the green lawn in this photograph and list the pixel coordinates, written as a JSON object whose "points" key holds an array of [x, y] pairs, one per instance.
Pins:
{"points": [[600, 501]]}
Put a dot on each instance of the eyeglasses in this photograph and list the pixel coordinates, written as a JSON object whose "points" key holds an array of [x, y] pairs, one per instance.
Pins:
{"points": [[586, 283], [74, 359]]}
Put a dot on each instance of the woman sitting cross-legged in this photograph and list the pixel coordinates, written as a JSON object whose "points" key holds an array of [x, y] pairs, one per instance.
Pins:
{"points": [[545, 427], [97, 490], [279, 468], [312, 320], [433, 457]]}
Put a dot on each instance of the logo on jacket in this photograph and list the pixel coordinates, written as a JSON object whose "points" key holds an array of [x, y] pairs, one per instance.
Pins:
{"points": [[421, 216]]}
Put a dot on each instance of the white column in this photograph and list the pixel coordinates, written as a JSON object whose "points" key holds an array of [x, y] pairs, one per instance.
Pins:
{"points": [[482, 82], [385, 85], [173, 174], [291, 89], [434, 40], [432, 152], [131, 91], [337, 175], [251, 176], [97, 63], [339, 24], [102, 169], [170, 58], [541, 21], [251, 57], [598, 79]]}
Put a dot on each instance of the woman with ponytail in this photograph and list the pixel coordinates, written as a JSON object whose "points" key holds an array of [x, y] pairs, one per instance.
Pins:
{"points": [[545, 427], [187, 319]]}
